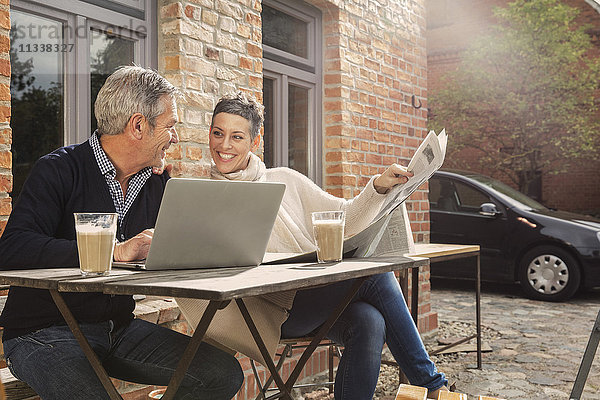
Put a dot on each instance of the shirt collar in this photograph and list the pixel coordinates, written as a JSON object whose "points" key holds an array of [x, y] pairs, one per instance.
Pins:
{"points": [[105, 165]]}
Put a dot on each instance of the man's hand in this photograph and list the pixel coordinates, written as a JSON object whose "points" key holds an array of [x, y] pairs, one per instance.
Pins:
{"points": [[159, 171], [394, 175], [135, 248]]}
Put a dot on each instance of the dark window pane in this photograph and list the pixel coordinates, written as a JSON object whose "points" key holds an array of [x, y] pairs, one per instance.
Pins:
{"points": [[470, 198], [36, 88], [284, 32], [107, 52], [269, 101], [298, 129]]}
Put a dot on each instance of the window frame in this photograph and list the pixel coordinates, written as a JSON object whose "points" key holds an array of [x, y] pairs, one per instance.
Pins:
{"points": [[76, 64], [286, 69]]}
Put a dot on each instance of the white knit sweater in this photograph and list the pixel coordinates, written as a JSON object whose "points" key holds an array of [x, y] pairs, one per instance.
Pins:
{"points": [[292, 233]]}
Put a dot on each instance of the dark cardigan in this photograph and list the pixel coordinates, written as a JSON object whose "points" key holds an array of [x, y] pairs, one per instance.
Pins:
{"points": [[40, 233]]}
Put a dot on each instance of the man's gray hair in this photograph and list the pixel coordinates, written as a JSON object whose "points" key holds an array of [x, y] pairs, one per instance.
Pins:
{"points": [[130, 90], [244, 105]]}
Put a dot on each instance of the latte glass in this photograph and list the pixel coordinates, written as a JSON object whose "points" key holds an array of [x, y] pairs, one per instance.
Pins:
{"points": [[328, 229], [95, 241]]}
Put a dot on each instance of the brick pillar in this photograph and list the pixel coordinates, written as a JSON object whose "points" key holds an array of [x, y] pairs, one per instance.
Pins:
{"points": [[207, 49], [374, 63], [5, 131]]}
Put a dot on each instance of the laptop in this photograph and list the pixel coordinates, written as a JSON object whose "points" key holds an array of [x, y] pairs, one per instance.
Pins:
{"points": [[206, 223]]}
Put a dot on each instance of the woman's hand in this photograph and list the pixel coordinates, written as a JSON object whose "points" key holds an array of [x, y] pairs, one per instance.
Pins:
{"points": [[135, 248], [394, 175]]}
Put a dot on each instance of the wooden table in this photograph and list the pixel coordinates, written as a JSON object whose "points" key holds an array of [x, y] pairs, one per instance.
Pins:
{"points": [[220, 286], [443, 252]]}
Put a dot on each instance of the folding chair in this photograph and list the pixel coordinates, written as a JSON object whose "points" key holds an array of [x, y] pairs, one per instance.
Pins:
{"points": [[586, 361], [289, 346]]}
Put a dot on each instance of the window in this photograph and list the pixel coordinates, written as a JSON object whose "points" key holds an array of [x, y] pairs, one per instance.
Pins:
{"points": [[61, 53], [292, 87], [449, 195]]}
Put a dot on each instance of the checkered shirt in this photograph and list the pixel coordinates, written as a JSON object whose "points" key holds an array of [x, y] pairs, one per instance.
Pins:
{"points": [[136, 182]]}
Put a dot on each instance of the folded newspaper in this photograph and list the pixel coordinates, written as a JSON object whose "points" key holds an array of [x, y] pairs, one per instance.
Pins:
{"points": [[428, 158]]}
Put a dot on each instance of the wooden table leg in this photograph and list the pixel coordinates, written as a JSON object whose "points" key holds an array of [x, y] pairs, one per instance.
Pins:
{"points": [[192, 348], [85, 346]]}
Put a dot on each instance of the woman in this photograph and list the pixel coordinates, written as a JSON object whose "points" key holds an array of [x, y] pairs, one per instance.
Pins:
{"points": [[376, 315]]}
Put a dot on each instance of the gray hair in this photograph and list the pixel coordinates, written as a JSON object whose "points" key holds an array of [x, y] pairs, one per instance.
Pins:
{"points": [[244, 105], [130, 90]]}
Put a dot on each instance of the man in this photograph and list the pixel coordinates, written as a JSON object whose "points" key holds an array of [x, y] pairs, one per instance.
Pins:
{"points": [[110, 172]]}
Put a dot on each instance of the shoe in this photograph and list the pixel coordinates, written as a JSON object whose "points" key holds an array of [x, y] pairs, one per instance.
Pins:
{"points": [[434, 394]]}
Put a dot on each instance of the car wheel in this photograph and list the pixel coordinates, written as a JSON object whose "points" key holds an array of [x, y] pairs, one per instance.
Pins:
{"points": [[549, 273]]}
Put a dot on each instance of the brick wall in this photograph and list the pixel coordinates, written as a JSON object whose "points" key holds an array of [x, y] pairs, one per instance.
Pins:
{"points": [[374, 61], [5, 132], [450, 30]]}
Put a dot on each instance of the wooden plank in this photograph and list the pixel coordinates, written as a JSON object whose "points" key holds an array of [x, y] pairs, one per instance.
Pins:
{"points": [[231, 283], [51, 278], [451, 396], [46, 278], [432, 250], [410, 392]]}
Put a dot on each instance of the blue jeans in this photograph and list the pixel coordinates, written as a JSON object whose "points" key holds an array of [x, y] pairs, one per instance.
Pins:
{"points": [[376, 315], [52, 363]]}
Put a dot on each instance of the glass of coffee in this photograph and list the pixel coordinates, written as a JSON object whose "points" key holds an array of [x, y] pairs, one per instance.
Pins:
{"points": [[328, 229], [95, 242]]}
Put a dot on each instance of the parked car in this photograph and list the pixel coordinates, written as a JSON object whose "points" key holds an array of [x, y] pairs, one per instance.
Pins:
{"points": [[550, 253]]}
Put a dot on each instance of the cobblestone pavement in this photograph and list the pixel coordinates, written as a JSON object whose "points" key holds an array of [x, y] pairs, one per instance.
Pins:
{"points": [[536, 347]]}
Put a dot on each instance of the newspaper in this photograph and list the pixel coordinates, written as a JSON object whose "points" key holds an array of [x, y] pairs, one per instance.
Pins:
{"points": [[389, 233], [428, 158]]}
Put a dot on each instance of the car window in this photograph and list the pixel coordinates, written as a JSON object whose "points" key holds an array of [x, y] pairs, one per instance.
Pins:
{"points": [[442, 195], [469, 198]]}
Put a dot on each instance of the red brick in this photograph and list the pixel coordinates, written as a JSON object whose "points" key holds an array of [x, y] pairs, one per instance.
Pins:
{"points": [[5, 67], [254, 50], [5, 159], [5, 206], [172, 10], [253, 19], [194, 153], [6, 136], [2, 225], [6, 182], [245, 63], [4, 19]]}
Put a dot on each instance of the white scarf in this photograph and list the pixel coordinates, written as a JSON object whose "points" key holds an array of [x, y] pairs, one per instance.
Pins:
{"points": [[255, 171]]}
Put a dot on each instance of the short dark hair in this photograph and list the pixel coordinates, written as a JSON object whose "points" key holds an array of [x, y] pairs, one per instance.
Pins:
{"points": [[244, 105]]}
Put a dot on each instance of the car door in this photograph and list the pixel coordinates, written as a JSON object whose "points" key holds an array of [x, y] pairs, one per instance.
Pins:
{"points": [[455, 218]]}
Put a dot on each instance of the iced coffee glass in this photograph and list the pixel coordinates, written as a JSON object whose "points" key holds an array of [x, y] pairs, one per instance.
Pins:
{"points": [[95, 242], [328, 229]]}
